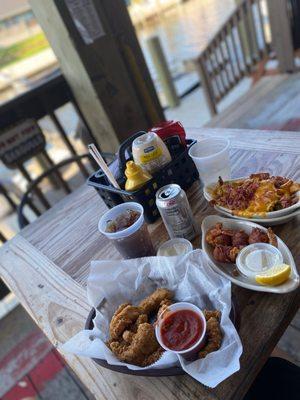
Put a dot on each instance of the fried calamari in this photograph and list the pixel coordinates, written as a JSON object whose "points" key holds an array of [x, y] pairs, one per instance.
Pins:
{"points": [[164, 305], [132, 337], [212, 314], [124, 317], [140, 348], [151, 303], [213, 333]]}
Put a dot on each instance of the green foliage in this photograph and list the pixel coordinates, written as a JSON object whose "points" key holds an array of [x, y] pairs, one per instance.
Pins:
{"points": [[23, 49]]}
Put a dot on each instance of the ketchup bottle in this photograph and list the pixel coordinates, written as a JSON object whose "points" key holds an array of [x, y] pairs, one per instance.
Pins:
{"points": [[173, 134]]}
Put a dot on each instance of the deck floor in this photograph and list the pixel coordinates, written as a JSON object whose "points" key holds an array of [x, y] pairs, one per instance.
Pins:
{"points": [[271, 104], [30, 367]]}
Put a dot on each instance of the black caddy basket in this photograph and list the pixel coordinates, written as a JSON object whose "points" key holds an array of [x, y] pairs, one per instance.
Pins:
{"points": [[180, 170]]}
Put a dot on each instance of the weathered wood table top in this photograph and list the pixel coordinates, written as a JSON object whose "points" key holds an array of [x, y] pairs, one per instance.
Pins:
{"points": [[47, 264]]}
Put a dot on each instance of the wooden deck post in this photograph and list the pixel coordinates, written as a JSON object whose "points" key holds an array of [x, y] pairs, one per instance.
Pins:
{"points": [[207, 86], [243, 34], [281, 34], [100, 58], [163, 73]]}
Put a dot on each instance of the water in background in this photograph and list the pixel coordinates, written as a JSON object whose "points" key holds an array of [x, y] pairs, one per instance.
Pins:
{"points": [[185, 30]]}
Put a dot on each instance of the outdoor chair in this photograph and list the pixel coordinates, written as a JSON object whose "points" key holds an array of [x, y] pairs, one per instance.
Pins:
{"points": [[2, 238], [34, 193], [4, 192], [3, 288]]}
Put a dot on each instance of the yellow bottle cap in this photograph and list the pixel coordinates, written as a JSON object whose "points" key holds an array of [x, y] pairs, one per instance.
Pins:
{"points": [[136, 177], [132, 169]]}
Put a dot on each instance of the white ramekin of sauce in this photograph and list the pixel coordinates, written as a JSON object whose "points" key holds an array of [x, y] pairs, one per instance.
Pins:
{"points": [[257, 258], [181, 329], [175, 247]]}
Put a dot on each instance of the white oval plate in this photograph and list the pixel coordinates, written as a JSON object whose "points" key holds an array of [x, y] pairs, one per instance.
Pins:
{"points": [[241, 280], [266, 221], [269, 215]]}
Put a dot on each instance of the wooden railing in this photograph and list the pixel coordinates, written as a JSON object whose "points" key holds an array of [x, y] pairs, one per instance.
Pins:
{"points": [[44, 100], [233, 52]]}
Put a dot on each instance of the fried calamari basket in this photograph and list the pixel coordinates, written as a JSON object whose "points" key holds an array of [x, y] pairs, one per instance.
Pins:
{"points": [[114, 282]]}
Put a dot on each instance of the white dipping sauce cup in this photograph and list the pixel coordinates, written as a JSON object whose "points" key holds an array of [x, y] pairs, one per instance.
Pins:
{"points": [[257, 258], [211, 157], [175, 247], [190, 352], [132, 242]]}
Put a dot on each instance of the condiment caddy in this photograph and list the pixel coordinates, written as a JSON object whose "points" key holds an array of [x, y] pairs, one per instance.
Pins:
{"points": [[180, 170]]}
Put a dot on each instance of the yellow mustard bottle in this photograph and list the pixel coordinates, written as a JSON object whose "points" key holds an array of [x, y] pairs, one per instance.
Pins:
{"points": [[136, 176]]}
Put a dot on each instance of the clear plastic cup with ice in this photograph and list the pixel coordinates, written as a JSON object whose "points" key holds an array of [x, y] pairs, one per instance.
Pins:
{"points": [[125, 227]]}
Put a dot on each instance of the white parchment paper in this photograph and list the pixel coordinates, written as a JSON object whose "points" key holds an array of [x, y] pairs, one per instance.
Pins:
{"points": [[113, 282]]}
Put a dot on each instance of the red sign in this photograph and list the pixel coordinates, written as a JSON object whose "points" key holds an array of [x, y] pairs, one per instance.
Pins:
{"points": [[21, 142]]}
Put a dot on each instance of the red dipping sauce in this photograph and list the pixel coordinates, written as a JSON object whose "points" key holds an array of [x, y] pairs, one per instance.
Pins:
{"points": [[181, 329]]}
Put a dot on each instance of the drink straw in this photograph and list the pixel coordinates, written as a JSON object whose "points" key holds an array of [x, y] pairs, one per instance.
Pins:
{"points": [[102, 164]]}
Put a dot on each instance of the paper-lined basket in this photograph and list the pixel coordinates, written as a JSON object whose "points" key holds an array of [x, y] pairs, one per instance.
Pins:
{"points": [[113, 282]]}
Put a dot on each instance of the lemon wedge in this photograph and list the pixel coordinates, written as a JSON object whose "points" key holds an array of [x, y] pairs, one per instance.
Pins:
{"points": [[274, 276]]}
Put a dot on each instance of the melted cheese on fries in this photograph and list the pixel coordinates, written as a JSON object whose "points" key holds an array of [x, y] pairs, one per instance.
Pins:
{"points": [[264, 194], [264, 200]]}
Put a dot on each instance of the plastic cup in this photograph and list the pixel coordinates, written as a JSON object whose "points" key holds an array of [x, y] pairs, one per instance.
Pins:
{"points": [[175, 247], [189, 353], [211, 157], [132, 242]]}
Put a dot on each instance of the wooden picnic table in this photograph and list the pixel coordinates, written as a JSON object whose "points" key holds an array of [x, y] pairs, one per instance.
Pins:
{"points": [[47, 264]]}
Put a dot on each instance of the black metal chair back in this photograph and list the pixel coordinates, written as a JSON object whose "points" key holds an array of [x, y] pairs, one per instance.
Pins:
{"points": [[3, 288], [5, 193], [34, 187]]}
